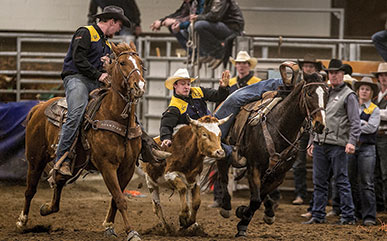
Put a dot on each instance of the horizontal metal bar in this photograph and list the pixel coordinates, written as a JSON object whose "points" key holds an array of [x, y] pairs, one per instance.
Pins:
{"points": [[43, 54], [9, 72], [39, 60], [24, 91], [40, 81], [306, 10], [46, 40], [311, 40], [40, 72]]}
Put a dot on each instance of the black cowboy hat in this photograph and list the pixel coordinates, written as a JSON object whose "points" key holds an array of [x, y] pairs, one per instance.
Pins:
{"points": [[337, 64], [311, 59], [114, 12]]}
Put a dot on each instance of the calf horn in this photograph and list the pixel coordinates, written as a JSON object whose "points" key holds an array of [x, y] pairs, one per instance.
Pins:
{"points": [[224, 120], [160, 154]]}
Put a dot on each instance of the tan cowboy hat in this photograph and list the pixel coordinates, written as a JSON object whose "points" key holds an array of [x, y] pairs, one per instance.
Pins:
{"points": [[367, 81], [243, 56], [114, 12], [382, 68], [311, 59], [349, 80], [178, 75]]}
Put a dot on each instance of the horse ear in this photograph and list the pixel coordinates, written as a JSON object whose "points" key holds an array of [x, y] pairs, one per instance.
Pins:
{"points": [[224, 120], [133, 46], [114, 48]]}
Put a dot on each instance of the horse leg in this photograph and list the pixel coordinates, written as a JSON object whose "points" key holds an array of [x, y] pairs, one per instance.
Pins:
{"points": [[178, 184], [156, 203], [53, 206], [116, 184], [33, 176], [195, 204], [247, 213], [223, 168], [269, 216]]}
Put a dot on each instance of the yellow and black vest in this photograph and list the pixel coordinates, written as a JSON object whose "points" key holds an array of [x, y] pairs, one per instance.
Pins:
{"points": [[365, 115], [233, 84]]}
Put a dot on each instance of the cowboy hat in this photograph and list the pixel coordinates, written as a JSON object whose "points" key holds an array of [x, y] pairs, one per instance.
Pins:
{"points": [[337, 64], [367, 81], [178, 75], [382, 68], [115, 12], [243, 56], [311, 59], [349, 80]]}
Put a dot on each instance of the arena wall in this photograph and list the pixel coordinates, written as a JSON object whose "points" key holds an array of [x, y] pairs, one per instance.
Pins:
{"points": [[66, 16]]}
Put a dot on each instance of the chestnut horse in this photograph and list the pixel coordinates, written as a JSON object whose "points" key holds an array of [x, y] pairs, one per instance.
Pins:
{"points": [[270, 147], [112, 154]]}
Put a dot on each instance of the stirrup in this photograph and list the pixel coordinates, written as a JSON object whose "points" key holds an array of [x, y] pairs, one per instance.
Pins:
{"points": [[238, 161], [65, 169]]}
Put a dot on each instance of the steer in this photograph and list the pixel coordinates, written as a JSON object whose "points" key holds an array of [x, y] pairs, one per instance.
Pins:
{"points": [[190, 144]]}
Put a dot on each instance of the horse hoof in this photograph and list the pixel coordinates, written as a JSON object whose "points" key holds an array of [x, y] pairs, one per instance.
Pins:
{"points": [[133, 236], [224, 213], [109, 232], [241, 234], [46, 210], [21, 222], [268, 220], [239, 211], [183, 222]]}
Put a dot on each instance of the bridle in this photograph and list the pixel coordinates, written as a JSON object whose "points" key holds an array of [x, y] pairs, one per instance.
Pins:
{"points": [[304, 104], [130, 96]]}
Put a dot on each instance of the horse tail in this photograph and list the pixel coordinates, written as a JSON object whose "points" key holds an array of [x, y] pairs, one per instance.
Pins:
{"points": [[30, 113]]}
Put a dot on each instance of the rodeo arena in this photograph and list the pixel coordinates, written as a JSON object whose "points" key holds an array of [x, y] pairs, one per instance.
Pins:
{"points": [[193, 120]]}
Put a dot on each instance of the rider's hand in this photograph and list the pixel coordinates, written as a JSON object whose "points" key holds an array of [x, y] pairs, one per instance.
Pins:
{"points": [[104, 78], [175, 27], [105, 60], [166, 143], [155, 26], [169, 21], [223, 82], [193, 17]]}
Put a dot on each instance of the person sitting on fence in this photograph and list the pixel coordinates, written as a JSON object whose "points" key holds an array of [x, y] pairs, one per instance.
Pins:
{"points": [[380, 41]]}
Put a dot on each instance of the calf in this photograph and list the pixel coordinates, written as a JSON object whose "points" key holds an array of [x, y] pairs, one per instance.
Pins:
{"points": [[190, 144]]}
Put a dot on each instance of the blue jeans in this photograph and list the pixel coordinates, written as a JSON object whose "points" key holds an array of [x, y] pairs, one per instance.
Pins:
{"points": [[241, 97], [299, 168], [381, 173], [325, 158], [361, 166], [211, 36], [77, 89], [380, 41]]}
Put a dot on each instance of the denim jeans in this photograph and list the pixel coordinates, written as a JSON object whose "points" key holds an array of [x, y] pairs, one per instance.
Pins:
{"points": [[381, 173], [299, 167], [361, 166], [211, 36], [325, 158], [241, 97], [77, 89], [380, 41]]}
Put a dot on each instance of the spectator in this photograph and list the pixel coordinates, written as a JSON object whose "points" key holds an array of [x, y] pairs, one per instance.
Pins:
{"points": [[380, 41], [179, 21], [187, 100], [330, 148], [361, 164], [220, 21], [83, 72], [131, 12], [381, 141], [309, 65], [244, 65]]}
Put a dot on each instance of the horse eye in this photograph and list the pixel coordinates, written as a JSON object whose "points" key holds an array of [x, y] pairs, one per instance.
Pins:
{"points": [[309, 94], [122, 63], [204, 134]]}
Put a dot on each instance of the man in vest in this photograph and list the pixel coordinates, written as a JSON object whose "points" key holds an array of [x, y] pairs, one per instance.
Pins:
{"points": [[331, 148], [361, 164], [187, 100], [381, 141]]}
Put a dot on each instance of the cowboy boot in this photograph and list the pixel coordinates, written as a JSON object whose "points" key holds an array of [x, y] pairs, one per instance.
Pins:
{"points": [[150, 151], [238, 161], [65, 169]]}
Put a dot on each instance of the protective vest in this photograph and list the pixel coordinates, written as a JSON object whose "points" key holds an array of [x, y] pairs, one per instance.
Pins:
{"points": [[337, 122], [233, 84], [365, 115], [383, 124], [98, 48], [196, 109]]}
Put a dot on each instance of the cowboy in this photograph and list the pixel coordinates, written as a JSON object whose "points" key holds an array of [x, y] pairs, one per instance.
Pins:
{"points": [[187, 100], [309, 65], [330, 148], [83, 72], [244, 65], [361, 164], [381, 141]]}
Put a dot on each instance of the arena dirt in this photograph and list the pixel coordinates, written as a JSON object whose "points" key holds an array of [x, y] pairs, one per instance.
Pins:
{"points": [[84, 206]]}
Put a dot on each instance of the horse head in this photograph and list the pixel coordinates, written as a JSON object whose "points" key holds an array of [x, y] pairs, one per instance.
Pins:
{"points": [[314, 99], [208, 135], [127, 72]]}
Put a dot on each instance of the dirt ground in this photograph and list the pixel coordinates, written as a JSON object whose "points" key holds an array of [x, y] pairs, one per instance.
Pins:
{"points": [[84, 205]]}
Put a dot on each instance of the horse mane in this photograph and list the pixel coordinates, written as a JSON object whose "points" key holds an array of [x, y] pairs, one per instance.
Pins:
{"points": [[121, 47]]}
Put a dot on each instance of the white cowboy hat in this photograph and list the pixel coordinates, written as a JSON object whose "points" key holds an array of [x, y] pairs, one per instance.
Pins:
{"points": [[243, 56], [349, 80], [382, 68], [178, 75], [367, 81]]}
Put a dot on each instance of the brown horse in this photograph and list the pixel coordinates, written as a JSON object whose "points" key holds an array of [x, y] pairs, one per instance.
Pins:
{"points": [[112, 154], [270, 147]]}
